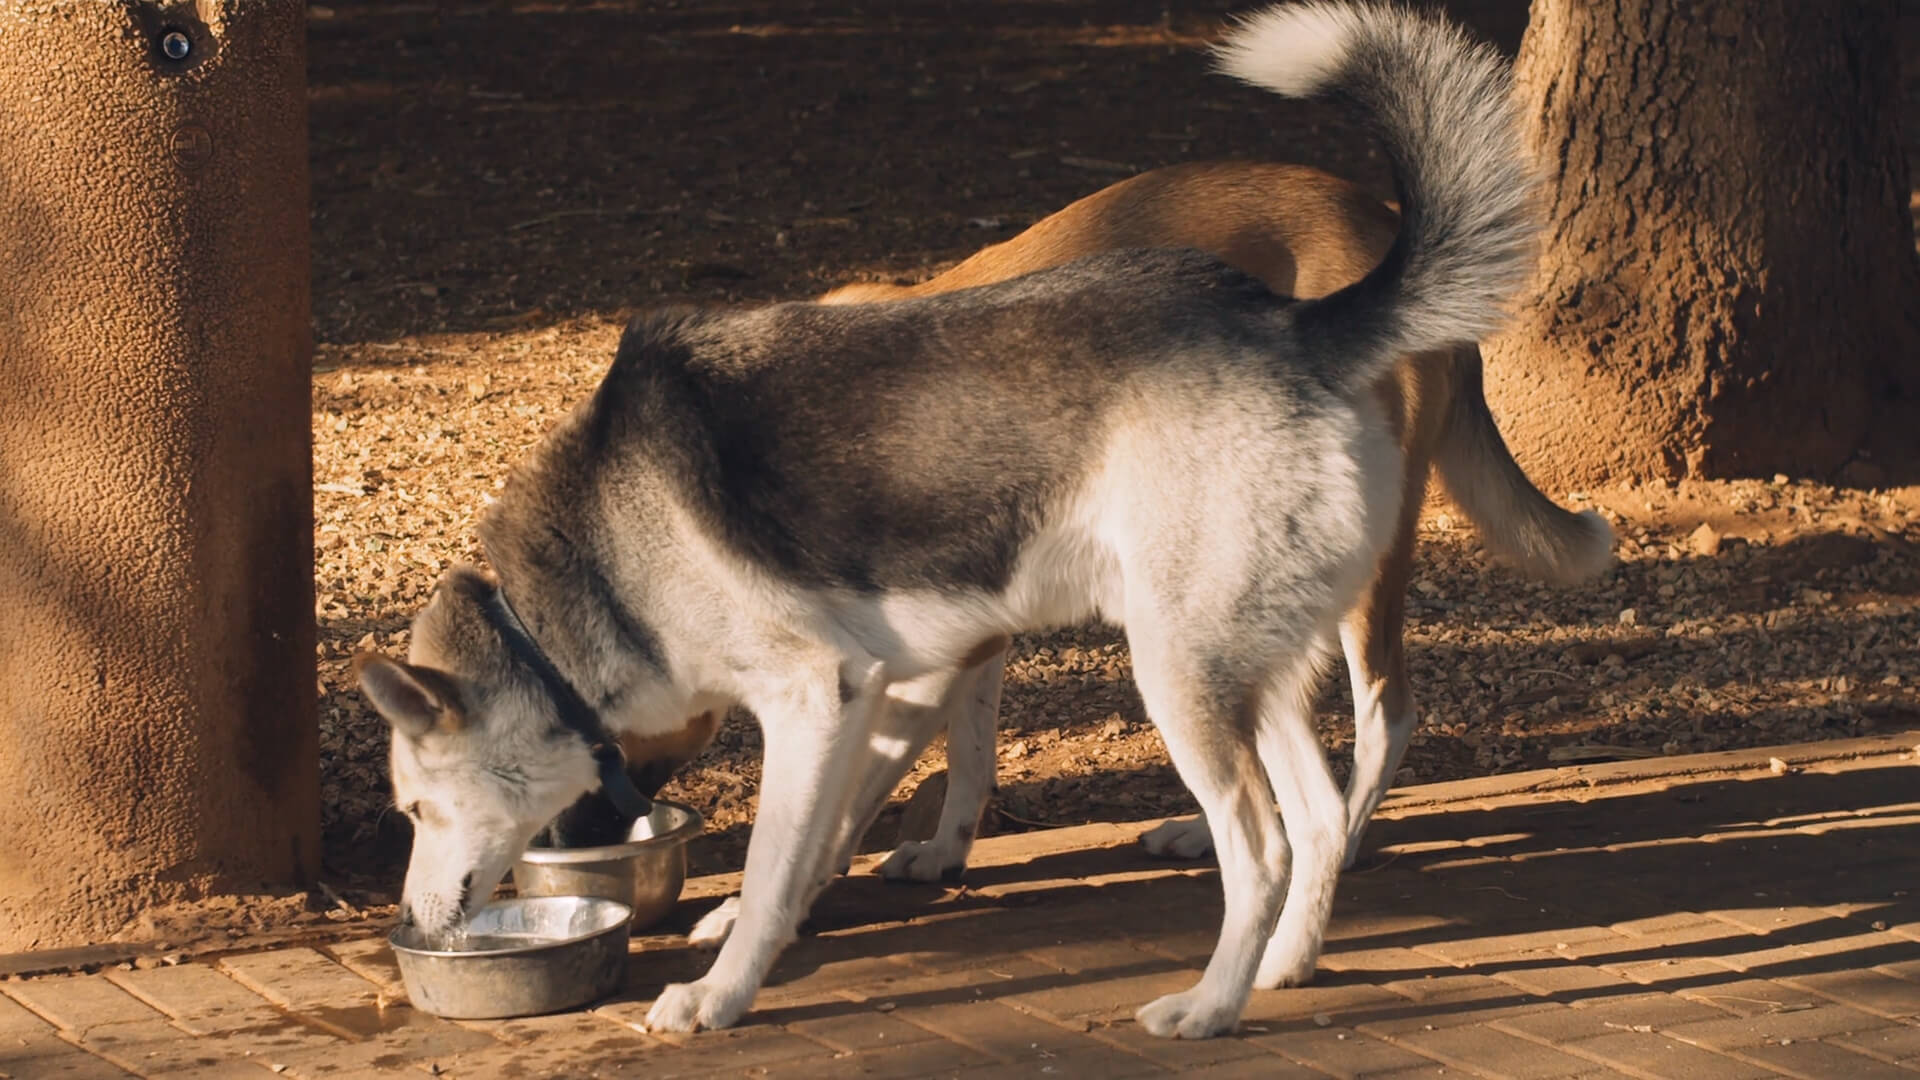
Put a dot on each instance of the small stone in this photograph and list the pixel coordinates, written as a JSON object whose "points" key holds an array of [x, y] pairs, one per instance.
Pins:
{"points": [[1704, 541], [1778, 766], [1322, 1020], [1629, 617]]}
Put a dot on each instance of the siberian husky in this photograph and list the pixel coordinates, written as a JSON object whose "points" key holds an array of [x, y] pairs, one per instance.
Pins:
{"points": [[834, 515]]}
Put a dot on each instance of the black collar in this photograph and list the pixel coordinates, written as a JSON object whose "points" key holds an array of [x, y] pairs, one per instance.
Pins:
{"points": [[578, 716]]}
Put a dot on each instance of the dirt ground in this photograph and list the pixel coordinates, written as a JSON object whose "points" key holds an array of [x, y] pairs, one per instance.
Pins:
{"points": [[497, 184]]}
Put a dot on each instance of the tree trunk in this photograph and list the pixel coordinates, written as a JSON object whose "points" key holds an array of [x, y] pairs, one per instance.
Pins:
{"points": [[1728, 286], [158, 737]]}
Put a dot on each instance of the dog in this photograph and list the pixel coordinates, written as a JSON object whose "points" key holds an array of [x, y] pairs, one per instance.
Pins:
{"points": [[1304, 233], [836, 515]]}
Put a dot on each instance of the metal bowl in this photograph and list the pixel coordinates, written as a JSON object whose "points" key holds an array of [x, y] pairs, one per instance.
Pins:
{"points": [[647, 872], [519, 957]]}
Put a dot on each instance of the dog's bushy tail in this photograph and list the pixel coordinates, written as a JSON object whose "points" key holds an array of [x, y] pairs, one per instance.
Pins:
{"points": [[1515, 519], [1441, 104]]}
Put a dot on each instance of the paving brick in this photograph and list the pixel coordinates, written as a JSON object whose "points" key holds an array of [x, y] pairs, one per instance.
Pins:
{"points": [[279, 1041], [1696, 937], [927, 1059], [1110, 998], [1566, 981], [1823, 1061], [1181, 1055], [1341, 998], [1749, 997], [1517, 948], [1493, 1053], [1898, 1043], [1664, 1058], [51, 1058], [1340, 1052], [78, 1002], [1670, 974], [1267, 1066], [1370, 915], [1456, 989], [157, 1048], [957, 945], [19, 1022], [1869, 990], [1100, 959], [860, 1027], [1769, 920], [1395, 962], [1902, 969], [1737, 1031], [1562, 1025], [1437, 1016], [563, 1062], [576, 1028], [1435, 1071], [1825, 952], [728, 1051], [1654, 925], [1055, 1068], [297, 978], [394, 1038], [198, 997], [371, 959], [820, 967], [1004, 1033], [1192, 948]]}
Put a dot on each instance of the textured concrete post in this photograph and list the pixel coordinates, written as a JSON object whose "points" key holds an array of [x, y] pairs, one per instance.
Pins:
{"points": [[157, 724]]}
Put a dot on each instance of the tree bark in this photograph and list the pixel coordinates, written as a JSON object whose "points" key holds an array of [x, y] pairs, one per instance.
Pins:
{"points": [[158, 736], [1728, 285]]}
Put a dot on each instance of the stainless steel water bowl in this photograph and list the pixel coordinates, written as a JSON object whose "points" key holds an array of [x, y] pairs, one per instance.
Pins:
{"points": [[647, 872], [519, 957]]}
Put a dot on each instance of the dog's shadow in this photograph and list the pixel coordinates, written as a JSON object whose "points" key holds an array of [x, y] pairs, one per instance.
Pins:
{"points": [[1810, 844]]}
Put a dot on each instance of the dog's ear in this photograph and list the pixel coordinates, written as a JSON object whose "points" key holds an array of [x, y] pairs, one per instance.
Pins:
{"points": [[405, 695]]}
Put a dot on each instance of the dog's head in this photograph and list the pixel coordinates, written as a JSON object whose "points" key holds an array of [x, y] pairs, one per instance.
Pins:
{"points": [[480, 760]]}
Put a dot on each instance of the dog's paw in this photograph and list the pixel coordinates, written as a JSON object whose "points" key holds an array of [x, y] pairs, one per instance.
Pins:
{"points": [[922, 860], [1282, 967], [712, 929], [1187, 1015], [696, 1006], [1187, 838]]}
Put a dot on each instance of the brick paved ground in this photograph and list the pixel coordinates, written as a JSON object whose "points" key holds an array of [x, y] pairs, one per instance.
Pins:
{"points": [[1687, 918]]}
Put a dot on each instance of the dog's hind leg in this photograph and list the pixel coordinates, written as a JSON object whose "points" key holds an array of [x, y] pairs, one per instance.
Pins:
{"points": [[1212, 747], [816, 732], [971, 716], [1372, 638], [1316, 825]]}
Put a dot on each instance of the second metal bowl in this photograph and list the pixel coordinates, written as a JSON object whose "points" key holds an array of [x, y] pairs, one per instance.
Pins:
{"points": [[647, 872]]}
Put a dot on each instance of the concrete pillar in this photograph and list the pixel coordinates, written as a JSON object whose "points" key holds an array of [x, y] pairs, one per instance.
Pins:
{"points": [[157, 716]]}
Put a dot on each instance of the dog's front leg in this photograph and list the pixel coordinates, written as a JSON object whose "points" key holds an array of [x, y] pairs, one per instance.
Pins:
{"points": [[904, 722], [814, 735]]}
